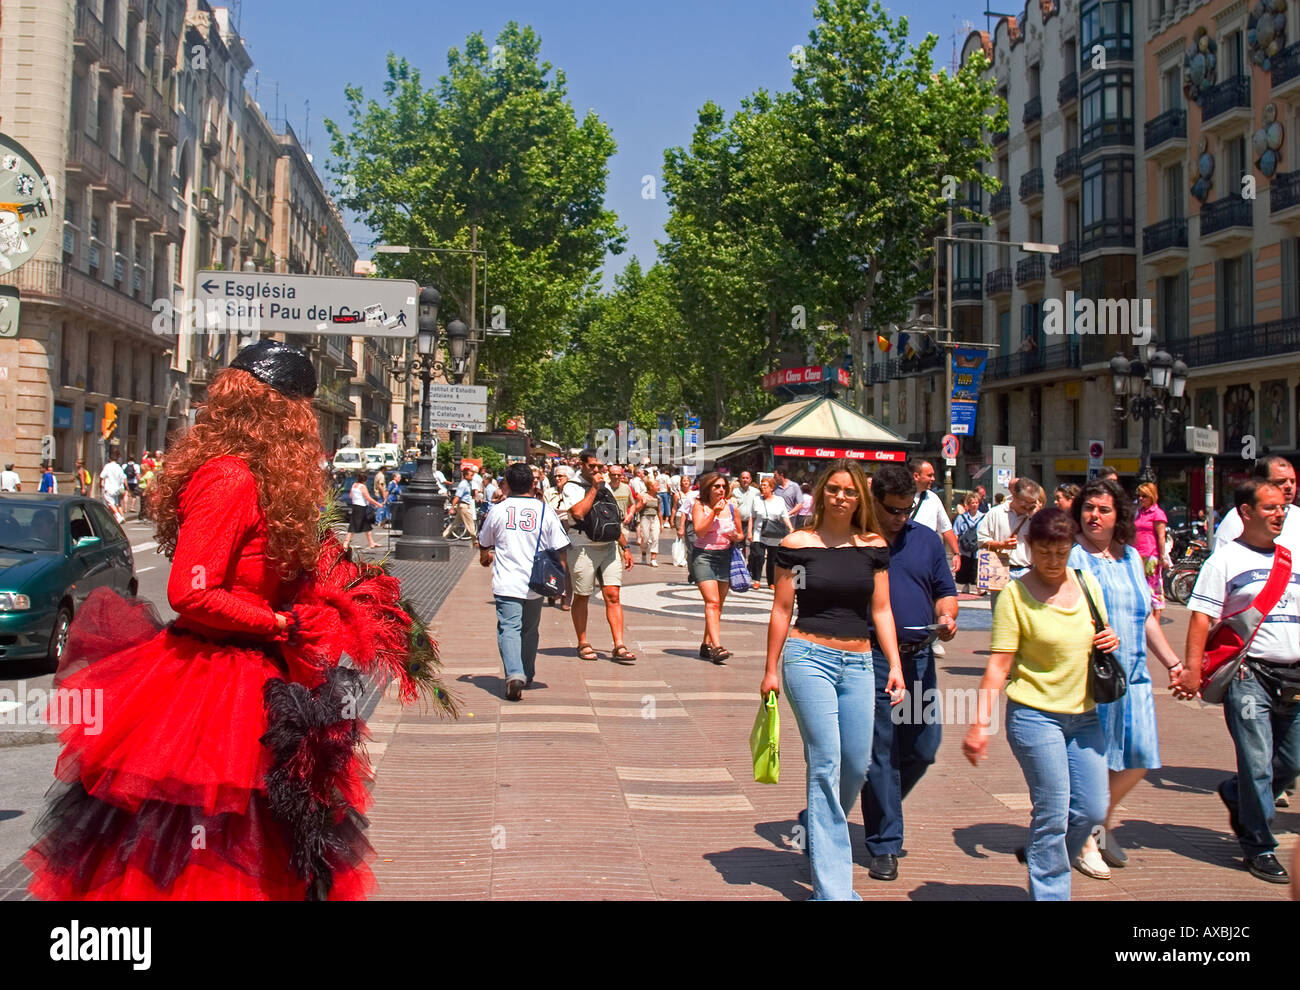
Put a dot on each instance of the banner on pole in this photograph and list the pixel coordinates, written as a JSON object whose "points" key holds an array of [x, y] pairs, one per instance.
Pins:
{"points": [[967, 370]]}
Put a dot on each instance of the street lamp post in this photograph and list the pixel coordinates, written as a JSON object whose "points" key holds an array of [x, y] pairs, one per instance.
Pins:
{"points": [[1150, 386], [423, 505]]}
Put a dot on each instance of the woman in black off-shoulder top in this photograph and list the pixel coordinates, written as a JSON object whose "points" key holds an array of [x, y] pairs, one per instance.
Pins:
{"points": [[837, 570]]}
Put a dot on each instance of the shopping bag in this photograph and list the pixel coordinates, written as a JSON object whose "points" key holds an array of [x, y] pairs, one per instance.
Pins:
{"points": [[765, 742], [679, 552], [740, 579]]}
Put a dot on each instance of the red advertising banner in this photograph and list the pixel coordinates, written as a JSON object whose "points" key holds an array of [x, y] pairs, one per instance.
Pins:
{"points": [[806, 376], [831, 453]]}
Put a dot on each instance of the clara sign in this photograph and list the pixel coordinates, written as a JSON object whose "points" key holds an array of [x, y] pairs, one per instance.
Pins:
{"points": [[805, 376]]}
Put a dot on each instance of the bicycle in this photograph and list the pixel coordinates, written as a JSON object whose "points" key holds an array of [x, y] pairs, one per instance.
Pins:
{"points": [[456, 528]]}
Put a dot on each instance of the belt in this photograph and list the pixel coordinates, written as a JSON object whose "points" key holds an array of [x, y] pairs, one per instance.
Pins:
{"points": [[911, 649]]}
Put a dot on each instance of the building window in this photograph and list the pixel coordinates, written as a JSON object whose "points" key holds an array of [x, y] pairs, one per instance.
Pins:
{"points": [[1171, 89], [1232, 55], [1172, 308], [1075, 423], [1107, 203], [1106, 110], [1236, 164], [1036, 419], [1235, 292], [1004, 419], [1175, 192], [1108, 23]]}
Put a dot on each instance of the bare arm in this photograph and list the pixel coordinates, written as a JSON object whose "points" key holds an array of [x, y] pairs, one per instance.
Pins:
{"points": [[882, 617], [1198, 631], [976, 743], [778, 627]]}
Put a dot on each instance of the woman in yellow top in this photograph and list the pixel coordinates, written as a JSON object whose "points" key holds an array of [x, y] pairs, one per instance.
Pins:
{"points": [[1043, 635]]}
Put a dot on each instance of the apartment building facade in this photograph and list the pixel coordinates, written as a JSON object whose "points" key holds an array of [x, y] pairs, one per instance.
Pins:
{"points": [[1220, 250], [89, 89], [163, 165]]}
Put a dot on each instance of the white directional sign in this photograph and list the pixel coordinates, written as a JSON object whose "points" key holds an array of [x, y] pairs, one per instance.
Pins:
{"points": [[444, 423], [458, 393], [353, 307], [457, 410], [1203, 440]]}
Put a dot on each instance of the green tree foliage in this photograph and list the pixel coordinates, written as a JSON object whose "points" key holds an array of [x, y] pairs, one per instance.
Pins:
{"points": [[495, 143]]}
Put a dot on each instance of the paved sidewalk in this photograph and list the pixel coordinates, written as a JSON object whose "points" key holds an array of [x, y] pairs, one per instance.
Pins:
{"points": [[612, 781]]}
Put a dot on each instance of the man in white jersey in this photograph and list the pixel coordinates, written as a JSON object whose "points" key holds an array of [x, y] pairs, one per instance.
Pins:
{"points": [[514, 532], [1262, 706], [1278, 471]]}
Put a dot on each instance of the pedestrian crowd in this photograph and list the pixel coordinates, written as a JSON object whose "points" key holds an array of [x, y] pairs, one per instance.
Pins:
{"points": [[864, 572]]}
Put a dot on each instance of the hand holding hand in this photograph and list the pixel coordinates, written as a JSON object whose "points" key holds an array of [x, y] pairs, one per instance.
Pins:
{"points": [[1184, 684]]}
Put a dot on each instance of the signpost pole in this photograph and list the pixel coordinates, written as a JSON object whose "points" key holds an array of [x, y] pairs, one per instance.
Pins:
{"points": [[1209, 503]]}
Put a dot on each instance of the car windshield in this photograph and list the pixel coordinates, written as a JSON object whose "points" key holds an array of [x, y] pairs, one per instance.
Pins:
{"points": [[34, 528], [349, 458]]}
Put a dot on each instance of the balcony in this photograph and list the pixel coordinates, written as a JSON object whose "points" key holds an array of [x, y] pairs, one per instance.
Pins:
{"points": [[1165, 135], [1000, 137], [1284, 197], [166, 117], [1055, 357], [1286, 71], [1260, 340], [1227, 219], [1031, 270], [1165, 242], [86, 158], [1067, 168], [1068, 90], [88, 33], [998, 282], [1067, 260], [1031, 185], [115, 176], [211, 137], [1226, 106], [1000, 201], [1033, 111], [136, 9], [113, 62], [208, 207], [63, 285], [139, 198], [153, 23], [133, 90], [1112, 232], [157, 207], [1107, 134]]}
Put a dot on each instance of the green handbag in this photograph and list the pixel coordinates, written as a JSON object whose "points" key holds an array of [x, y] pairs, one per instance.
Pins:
{"points": [[765, 742]]}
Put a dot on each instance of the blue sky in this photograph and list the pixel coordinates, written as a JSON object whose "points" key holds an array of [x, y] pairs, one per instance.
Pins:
{"points": [[645, 68]]}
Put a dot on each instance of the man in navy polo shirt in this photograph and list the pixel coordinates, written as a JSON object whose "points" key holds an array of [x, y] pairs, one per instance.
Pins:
{"points": [[921, 593]]}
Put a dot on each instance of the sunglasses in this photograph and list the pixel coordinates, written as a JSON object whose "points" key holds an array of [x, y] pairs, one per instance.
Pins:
{"points": [[893, 511]]}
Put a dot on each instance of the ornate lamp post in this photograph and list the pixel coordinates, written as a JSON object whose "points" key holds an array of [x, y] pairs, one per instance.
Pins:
{"points": [[423, 505], [1150, 386]]}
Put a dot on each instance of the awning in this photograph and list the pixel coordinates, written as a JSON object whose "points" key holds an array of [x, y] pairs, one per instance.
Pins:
{"points": [[721, 451]]}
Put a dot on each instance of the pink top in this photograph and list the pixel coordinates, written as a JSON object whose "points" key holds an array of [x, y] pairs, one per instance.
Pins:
{"points": [[715, 537], [805, 506], [1146, 530]]}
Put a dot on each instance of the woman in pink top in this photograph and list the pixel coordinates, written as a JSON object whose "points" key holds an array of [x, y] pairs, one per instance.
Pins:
{"points": [[1151, 522], [717, 529]]}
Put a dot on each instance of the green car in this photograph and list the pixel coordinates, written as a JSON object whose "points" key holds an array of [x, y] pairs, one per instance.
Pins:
{"points": [[54, 551]]}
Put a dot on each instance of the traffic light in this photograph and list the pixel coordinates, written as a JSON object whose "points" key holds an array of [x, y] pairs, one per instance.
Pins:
{"points": [[110, 419]]}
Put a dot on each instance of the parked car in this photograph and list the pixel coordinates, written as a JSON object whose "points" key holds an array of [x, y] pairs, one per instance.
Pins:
{"points": [[54, 551], [407, 472], [349, 459]]}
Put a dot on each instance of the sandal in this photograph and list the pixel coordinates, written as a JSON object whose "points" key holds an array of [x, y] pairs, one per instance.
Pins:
{"points": [[622, 654], [587, 652], [718, 655]]}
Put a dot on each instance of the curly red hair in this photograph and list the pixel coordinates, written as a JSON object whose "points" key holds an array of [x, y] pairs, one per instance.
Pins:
{"points": [[277, 437]]}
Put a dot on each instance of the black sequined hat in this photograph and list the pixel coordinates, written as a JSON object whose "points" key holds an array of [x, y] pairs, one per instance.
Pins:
{"points": [[285, 368]]}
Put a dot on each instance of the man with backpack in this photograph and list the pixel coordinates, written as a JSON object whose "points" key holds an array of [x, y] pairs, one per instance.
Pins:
{"points": [[598, 546]]}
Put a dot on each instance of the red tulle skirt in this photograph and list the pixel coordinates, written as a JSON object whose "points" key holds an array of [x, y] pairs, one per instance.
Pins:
{"points": [[161, 787]]}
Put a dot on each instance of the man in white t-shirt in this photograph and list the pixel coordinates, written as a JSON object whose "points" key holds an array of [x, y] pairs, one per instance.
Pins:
{"points": [[513, 534], [112, 485], [1262, 706], [1002, 529], [9, 480], [1278, 471]]}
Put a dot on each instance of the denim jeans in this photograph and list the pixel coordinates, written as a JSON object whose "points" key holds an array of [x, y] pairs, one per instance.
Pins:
{"points": [[1064, 761], [900, 752], [1266, 735], [517, 620], [831, 692]]}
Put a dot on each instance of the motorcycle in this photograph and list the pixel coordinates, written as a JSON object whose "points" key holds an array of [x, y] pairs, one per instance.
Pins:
{"points": [[1189, 552]]}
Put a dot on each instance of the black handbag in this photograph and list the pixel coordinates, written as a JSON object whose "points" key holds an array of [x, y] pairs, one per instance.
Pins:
{"points": [[1106, 677], [549, 577]]}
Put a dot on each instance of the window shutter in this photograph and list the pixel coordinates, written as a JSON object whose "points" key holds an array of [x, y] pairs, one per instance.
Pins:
{"points": [[1220, 301]]}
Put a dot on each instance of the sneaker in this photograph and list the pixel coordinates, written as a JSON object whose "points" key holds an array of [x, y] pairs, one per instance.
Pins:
{"points": [[1283, 800], [1090, 863], [514, 687], [1111, 851], [653, 562], [1266, 867]]}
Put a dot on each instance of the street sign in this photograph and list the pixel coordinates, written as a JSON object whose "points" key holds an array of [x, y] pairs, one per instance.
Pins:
{"points": [[949, 448], [1004, 469], [1203, 441], [458, 393], [511, 425], [271, 303], [1096, 451], [442, 423], [457, 410]]}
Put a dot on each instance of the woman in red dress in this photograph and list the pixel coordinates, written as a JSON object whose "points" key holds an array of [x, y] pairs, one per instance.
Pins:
{"points": [[227, 763]]}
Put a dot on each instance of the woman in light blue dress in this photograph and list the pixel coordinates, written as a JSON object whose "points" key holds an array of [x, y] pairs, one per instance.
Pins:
{"points": [[1103, 548]]}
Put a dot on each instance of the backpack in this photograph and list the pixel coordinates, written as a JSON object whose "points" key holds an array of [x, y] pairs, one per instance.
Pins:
{"points": [[968, 543], [130, 471], [604, 523]]}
